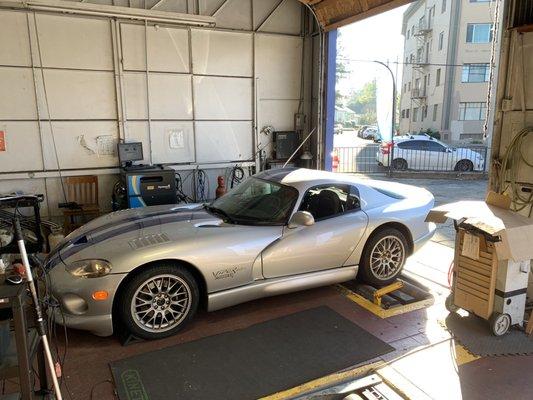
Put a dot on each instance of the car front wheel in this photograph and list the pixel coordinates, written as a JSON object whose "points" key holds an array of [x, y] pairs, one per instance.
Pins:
{"points": [[159, 301], [464, 166], [383, 257]]}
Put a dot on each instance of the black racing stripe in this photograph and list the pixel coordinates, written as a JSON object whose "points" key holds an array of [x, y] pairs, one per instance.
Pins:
{"points": [[51, 260], [110, 224], [123, 230], [512, 293], [53, 256]]}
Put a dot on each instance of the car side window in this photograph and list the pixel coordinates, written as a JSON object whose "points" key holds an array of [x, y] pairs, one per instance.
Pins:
{"points": [[434, 146], [326, 201], [411, 145]]}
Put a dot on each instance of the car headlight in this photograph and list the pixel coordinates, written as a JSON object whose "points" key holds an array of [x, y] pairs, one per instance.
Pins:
{"points": [[89, 268]]}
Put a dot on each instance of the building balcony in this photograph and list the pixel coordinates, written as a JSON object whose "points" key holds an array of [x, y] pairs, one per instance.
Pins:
{"points": [[423, 29], [418, 93]]}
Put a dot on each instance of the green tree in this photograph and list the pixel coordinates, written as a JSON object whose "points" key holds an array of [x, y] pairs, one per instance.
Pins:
{"points": [[341, 70], [363, 102]]}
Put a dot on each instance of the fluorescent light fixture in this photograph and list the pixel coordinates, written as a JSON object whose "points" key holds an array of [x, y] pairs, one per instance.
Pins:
{"points": [[79, 8]]}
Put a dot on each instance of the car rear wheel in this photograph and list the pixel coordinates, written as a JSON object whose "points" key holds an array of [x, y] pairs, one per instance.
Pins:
{"points": [[159, 301], [399, 164], [383, 257], [464, 166]]}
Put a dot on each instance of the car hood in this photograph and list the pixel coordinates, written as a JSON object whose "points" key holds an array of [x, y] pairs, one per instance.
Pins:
{"points": [[129, 226]]}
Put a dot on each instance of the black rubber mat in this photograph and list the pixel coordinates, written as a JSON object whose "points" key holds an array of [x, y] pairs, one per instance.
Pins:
{"points": [[474, 334], [249, 363]]}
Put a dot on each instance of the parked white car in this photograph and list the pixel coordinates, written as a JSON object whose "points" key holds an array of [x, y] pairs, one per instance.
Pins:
{"points": [[422, 152]]}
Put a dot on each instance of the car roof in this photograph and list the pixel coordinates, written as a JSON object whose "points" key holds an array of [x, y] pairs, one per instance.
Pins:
{"points": [[403, 138], [303, 178]]}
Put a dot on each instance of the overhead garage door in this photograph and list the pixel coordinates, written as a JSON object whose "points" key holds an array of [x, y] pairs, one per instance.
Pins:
{"points": [[194, 96], [333, 14]]}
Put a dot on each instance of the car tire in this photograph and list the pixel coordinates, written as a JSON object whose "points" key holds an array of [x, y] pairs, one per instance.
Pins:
{"points": [[383, 257], [399, 164], [464, 166], [158, 301]]}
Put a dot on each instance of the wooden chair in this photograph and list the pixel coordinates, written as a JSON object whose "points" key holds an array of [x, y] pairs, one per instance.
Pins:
{"points": [[82, 190]]}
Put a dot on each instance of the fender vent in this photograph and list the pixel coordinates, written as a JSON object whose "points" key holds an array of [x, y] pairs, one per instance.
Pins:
{"points": [[149, 240]]}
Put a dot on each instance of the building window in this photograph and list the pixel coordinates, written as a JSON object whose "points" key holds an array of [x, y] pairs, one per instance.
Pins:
{"points": [[429, 79], [407, 112], [441, 40], [435, 111], [479, 33], [424, 112], [437, 81], [403, 113], [475, 73], [415, 114], [472, 111], [431, 14], [443, 7]]}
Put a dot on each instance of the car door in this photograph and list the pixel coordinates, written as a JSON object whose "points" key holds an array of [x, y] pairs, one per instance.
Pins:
{"points": [[411, 151], [338, 229], [439, 158]]}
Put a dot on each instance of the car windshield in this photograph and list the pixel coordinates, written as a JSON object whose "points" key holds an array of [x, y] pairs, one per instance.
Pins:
{"points": [[257, 201]]}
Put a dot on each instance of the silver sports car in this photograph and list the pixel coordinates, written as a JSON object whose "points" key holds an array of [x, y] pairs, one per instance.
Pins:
{"points": [[277, 232]]}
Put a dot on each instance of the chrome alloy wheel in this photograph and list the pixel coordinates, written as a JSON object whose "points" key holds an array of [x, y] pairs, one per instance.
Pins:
{"points": [[387, 257], [160, 303]]}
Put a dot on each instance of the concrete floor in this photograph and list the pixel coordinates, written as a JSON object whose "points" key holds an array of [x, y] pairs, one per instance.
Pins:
{"points": [[426, 357]]}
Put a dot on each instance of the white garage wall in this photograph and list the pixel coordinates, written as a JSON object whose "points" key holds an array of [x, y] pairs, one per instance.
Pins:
{"points": [[213, 88]]}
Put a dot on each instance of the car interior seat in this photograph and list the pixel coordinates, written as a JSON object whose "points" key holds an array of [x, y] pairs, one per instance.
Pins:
{"points": [[327, 203]]}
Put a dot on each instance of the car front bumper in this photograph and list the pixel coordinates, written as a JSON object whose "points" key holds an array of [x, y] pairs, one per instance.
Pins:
{"points": [[99, 325], [418, 243], [79, 310]]}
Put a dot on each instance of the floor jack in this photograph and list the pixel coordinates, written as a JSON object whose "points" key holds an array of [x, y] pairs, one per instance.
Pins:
{"points": [[38, 312]]}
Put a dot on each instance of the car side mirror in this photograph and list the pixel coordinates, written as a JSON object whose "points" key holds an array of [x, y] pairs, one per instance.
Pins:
{"points": [[301, 218]]}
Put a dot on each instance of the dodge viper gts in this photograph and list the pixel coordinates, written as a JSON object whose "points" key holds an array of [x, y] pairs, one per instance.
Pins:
{"points": [[277, 232]]}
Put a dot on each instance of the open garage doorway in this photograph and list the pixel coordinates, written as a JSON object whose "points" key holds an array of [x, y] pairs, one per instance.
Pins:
{"points": [[441, 59]]}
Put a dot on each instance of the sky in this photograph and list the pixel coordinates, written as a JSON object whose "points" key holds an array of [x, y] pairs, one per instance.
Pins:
{"points": [[376, 38]]}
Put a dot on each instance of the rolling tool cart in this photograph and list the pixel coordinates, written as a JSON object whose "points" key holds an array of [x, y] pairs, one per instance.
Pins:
{"points": [[492, 262]]}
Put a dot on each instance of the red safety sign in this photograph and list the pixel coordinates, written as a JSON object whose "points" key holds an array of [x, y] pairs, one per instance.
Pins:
{"points": [[2, 141]]}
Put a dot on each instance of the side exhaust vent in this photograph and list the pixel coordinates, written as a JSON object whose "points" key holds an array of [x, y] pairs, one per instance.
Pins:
{"points": [[149, 240]]}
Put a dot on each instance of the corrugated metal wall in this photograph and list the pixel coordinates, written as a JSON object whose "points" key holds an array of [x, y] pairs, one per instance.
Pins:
{"points": [[191, 95], [521, 13]]}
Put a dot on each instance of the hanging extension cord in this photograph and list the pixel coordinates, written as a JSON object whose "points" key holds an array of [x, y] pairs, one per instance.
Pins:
{"points": [[511, 161]]}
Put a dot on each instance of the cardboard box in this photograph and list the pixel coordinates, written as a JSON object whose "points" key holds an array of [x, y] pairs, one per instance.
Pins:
{"points": [[493, 217], [493, 247]]}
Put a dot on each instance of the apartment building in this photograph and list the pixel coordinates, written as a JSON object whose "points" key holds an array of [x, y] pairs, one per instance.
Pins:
{"points": [[447, 51]]}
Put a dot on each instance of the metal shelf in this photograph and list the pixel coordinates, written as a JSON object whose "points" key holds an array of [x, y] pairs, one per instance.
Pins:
{"points": [[9, 368]]}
